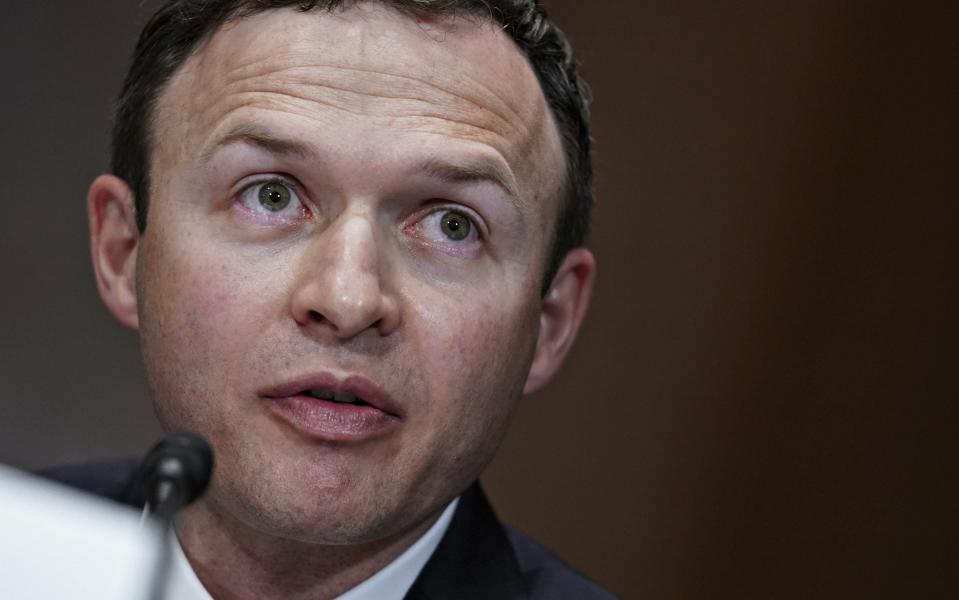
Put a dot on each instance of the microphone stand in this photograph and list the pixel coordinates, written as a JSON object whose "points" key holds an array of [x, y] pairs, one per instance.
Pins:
{"points": [[175, 472]]}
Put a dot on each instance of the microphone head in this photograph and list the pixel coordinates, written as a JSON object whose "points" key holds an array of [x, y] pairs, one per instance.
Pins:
{"points": [[181, 462]]}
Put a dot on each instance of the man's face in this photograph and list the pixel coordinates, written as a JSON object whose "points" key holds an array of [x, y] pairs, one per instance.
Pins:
{"points": [[354, 203]]}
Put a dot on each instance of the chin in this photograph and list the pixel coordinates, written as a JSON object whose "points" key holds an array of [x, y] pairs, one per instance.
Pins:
{"points": [[308, 510]]}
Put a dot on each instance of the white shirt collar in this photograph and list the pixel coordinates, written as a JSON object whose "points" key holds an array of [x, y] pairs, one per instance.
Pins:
{"points": [[389, 583], [395, 579]]}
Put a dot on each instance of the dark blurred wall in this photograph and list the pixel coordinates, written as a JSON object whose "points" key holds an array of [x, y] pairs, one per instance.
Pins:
{"points": [[763, 402]]}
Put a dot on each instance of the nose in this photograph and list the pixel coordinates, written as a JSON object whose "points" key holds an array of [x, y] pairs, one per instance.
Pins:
{"points": [[340, 282]]}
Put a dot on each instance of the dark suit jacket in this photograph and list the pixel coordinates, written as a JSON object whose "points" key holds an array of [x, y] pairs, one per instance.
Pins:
{"points": [[478, 557]]}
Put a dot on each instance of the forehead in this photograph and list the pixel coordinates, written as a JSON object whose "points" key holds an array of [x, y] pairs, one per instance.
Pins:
{"points": [[367, 66]]}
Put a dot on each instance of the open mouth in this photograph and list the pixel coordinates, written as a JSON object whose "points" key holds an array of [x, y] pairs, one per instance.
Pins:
{"points": [[338, 397], [325, 392], [337, 409]]}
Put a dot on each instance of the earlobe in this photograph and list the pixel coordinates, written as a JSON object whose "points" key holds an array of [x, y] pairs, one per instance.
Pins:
{"points": [[114, 239], [561, 314]]}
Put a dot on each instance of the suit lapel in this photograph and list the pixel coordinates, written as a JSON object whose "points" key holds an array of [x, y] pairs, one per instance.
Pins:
{"points": [[474, 560]]}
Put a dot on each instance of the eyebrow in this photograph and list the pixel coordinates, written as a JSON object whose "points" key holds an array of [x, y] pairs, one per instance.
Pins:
{"points": [[478, 172], [475, 172], [254, 136]]}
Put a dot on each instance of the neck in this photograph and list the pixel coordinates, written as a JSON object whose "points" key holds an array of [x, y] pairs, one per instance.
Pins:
{"points": [[235, 562]]}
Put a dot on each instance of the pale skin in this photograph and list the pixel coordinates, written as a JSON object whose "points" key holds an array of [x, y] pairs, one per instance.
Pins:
{"points": [[374, 126]]}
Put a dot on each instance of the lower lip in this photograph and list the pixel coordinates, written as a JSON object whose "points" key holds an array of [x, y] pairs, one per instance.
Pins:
{"points": [[333, 421]]}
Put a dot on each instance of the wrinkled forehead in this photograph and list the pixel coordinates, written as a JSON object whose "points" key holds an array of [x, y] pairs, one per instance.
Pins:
{"points": [[373, 61]]}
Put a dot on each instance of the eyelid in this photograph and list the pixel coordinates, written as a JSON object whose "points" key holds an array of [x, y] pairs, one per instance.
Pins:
{"points": [[439, 206], [254, 180], [247, 184]]}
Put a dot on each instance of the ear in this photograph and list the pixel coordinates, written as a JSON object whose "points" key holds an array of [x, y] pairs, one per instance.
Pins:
{"points": [[561, 314], [114, 238]]}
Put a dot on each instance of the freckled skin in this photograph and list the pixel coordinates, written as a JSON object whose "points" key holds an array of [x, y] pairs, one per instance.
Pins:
{"points": [[229, 306]]}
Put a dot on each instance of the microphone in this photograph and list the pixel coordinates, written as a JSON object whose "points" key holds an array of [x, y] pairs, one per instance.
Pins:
{"points": [[174, 473]]}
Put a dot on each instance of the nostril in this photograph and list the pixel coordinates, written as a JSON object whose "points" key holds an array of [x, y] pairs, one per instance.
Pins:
{"points": [[315, 317]]}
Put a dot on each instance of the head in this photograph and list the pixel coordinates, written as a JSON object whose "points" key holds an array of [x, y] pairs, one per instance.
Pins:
{"points": [[323, 201]]}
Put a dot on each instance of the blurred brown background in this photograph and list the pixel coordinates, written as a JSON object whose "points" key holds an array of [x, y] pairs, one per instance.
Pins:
{"points": [[763, 403]]}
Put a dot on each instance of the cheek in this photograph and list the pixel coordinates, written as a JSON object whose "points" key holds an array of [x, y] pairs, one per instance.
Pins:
{"points": [[207, 285], [483, 356], [484, 346], [198, 319], [190, 297]]}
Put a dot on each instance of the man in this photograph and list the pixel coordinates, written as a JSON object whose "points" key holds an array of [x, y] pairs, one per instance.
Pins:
{"points": [[350, 237]]}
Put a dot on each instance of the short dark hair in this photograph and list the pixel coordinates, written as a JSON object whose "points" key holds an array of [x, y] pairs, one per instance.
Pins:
{"points": [[178, 27]]}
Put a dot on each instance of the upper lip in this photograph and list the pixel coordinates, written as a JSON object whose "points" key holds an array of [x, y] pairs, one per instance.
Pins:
{"points": [[358, 385]]}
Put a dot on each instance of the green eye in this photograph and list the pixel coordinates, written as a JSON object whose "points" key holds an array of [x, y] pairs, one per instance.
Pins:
{"points": [[456, 226], [275, 196]]}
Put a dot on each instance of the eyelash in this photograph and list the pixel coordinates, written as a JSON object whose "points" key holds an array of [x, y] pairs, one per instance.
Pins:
{"points": [[438, 209], [474, 220], [431, 236], [294, 189]]}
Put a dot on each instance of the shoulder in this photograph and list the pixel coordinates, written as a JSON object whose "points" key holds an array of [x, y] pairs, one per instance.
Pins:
{"points": [[481, 558], [547, 576], [112, 479]]}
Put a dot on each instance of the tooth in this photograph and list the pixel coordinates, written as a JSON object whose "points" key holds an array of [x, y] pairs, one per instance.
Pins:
{"points": [[345, 397], [322, 394]]}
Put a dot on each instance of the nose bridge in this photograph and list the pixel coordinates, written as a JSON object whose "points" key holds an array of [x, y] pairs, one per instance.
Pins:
{"points": [[341, 281], [349, 250]]}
